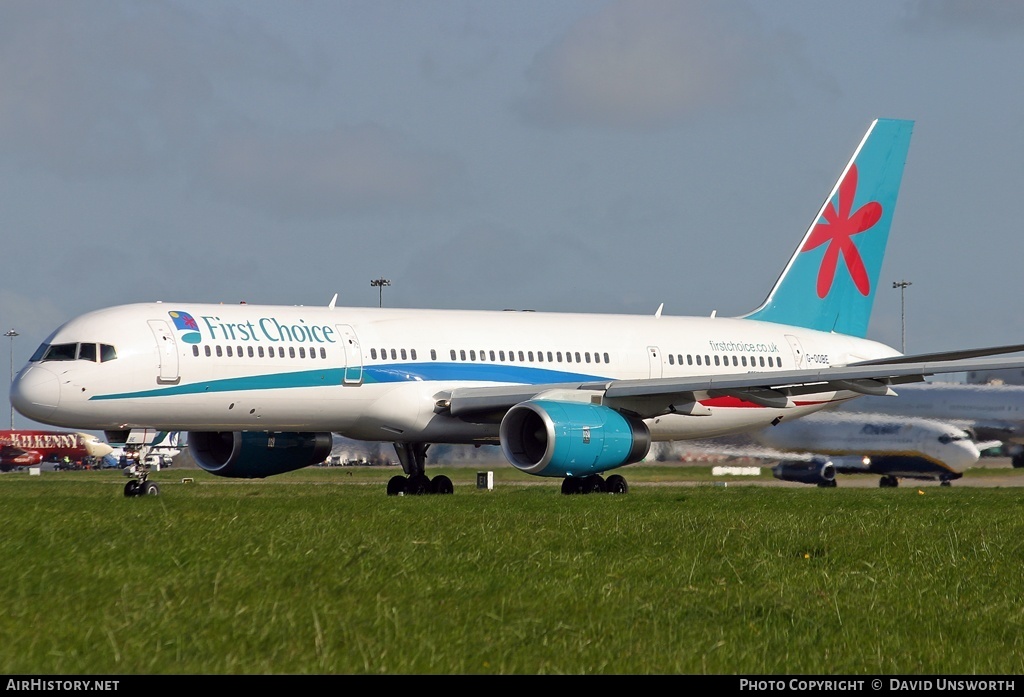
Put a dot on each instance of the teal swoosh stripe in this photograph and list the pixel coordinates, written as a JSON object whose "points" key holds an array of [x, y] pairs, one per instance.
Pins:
{"points": [[399, 372], [277, 381]]}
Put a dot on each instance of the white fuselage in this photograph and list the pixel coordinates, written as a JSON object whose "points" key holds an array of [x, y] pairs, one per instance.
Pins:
{"points": [[992, 407], [378, 374], [870, 435]]}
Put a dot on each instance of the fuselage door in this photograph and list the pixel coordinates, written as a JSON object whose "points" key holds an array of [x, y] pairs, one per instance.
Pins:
{"points": [[353, 355], [798, 351], [166, 351], [654, 356]]}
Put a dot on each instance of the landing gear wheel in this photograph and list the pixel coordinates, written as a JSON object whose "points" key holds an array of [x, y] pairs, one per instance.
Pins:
{"points": [[888, 482], [616, 484], [945, 482], [131, 489], [831, 484], [572, 485], [396, 485], [418, 484], [594, 484], [441, 485], [149, 489]]}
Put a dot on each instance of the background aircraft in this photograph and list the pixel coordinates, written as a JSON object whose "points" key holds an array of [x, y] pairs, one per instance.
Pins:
{"points": [[24, 448], [988, 412], [893, 447]]}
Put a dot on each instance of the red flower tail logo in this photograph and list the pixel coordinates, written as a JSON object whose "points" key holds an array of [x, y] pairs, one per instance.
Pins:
{"points": [[838, 231]]}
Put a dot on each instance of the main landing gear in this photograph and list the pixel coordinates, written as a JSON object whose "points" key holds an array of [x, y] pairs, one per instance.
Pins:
{"points": [[595, 484], [140, 486], [413, 457]]}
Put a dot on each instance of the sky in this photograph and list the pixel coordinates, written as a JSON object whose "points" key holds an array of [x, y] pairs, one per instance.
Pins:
{"points": [[560, 155]]}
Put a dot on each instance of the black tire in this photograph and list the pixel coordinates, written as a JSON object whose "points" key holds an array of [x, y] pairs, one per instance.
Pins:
{"points": [[572, 485], [397, 485], [594, 484], [418, 484], [1017, 460], [149, 489], [616, 484], [131, 489], [441, 485]]}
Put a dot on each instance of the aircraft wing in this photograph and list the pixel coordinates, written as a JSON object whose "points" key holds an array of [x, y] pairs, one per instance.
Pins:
{"points": [[657, 396]]}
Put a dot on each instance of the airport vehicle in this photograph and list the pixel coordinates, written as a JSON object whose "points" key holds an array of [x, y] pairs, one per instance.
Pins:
{"points": [[26, 448], [259, 389], [893, 447], [988, 412]]}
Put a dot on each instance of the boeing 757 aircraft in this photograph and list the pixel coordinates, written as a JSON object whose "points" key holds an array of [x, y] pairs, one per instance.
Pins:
{"points": [[260, 389]]}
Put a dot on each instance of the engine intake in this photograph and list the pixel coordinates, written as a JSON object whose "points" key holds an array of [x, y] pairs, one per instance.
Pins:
{"points": [[559, 439], [254, 455]]}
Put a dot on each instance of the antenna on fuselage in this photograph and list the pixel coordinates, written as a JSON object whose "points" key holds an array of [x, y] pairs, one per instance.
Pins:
{"points": [[660, 308], [333, 300]]}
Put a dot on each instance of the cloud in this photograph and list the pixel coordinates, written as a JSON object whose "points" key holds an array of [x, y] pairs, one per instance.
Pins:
{"points": [[987, 17], [646, 65], [348, 169], [119, 89]]}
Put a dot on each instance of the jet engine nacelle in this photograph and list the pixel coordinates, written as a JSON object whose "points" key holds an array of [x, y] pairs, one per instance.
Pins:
{"points": [[559, 439], [254, 455], [817, 471]]}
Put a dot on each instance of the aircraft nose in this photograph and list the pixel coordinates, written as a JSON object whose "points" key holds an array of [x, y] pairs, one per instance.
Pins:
{"points": [[35, 393], [966, 456]]}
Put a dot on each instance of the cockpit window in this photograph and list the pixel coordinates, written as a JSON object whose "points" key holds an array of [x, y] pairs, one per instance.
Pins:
{"points": [[61, 352], [70, 352]]}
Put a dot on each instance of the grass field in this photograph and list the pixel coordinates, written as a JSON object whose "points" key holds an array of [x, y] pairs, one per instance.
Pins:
{"points": [[318, 572]]}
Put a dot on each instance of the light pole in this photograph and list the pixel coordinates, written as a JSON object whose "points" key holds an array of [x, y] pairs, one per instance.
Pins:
{"points": [[902, 285], [379, 283], [11, 334]]}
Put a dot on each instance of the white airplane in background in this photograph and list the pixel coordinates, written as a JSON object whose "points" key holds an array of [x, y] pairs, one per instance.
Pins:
{"points": [[261, 388], [988, 412], [893, 447]]}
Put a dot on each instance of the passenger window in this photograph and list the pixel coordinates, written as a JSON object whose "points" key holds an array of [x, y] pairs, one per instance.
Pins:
{"points": [[404, 355], [220, 351], [259, 351], [373, 354], [207, 351], [412, 353], [291, 352], [195, 350], [323, 352], [228, 349], [302, 352], [433, 355]]}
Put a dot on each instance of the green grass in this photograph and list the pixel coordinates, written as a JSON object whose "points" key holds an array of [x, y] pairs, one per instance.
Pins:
{"points": [[318, 572]]}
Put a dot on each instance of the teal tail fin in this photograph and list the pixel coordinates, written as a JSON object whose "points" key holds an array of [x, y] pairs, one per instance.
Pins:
{"points": [[829, 283]]}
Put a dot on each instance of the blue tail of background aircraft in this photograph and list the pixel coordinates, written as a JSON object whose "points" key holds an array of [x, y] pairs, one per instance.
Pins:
{"points": [[830, 282]]}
